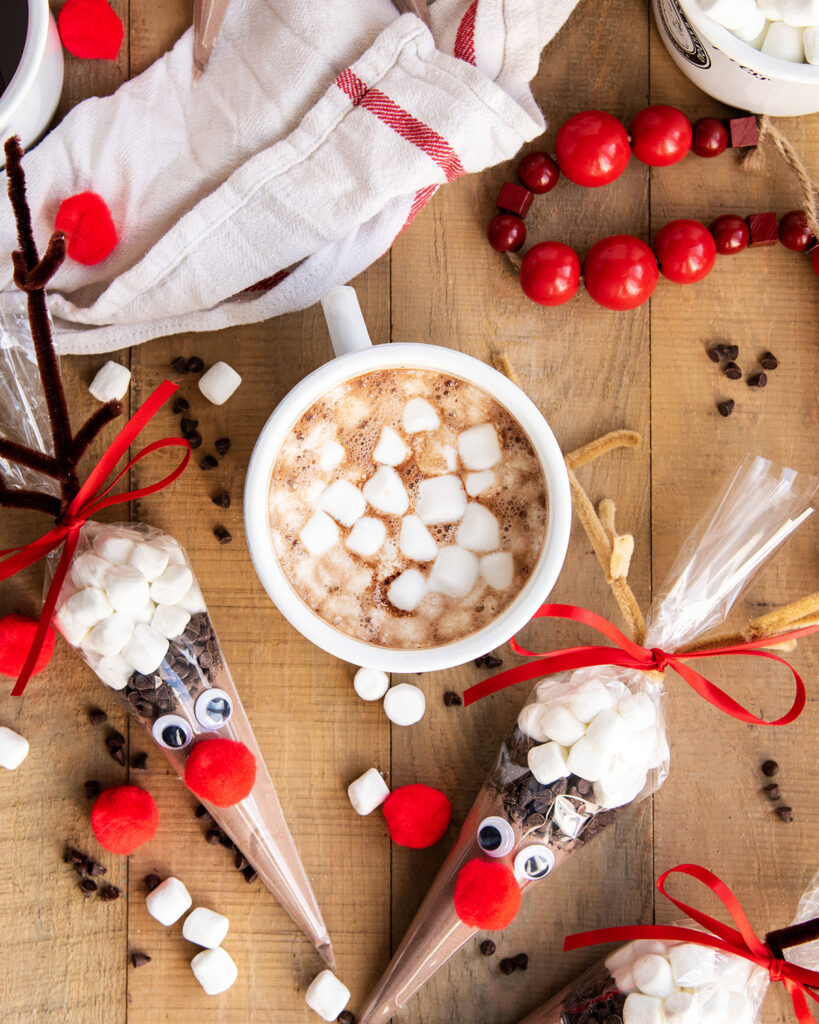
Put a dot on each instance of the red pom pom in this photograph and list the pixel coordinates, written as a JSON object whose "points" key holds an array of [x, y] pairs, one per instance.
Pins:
{"points": [[417, 815], [221, 771], [89, 231], [124, 818], [16, 635], [90, 29], [487, 894]]}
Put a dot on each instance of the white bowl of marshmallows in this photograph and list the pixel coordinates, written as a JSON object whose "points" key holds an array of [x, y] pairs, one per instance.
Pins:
{"points": [[757, 55]]}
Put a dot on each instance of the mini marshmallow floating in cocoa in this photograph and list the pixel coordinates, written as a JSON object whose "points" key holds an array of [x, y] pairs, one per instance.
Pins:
{"points": [[125, 596], [591, 742]]}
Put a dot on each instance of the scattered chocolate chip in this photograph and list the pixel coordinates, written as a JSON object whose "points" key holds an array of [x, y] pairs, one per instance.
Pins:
{"points": [[221, 500], [114, 739], [770, 768], [507, 966], [772, 791], [226, 841], [201, 811], [109, 893], [784, 813], [92, 788], [345, 1017], [180, 364], [140, 959], [118, 754], [195, 365], [521, 961], [492, 661], [222, 445], [725, 408], [214, 836], [222, 535], [732, 371], [82, 868], [96, 716], [89, 888], [487, 947], [180, 404], [188, 426], [209, 462], [95, 869], [479, 662], [239, 861], [250, 874], [73, 856], [759, 380], [728, 351], [151, 882], [452, 699], [715, 353], [140, 762], [194, 439], [769, 361]]}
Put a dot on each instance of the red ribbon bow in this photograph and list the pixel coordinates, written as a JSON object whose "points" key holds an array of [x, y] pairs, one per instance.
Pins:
{"points": [[740, 941], [89, 500], [628, 654]]}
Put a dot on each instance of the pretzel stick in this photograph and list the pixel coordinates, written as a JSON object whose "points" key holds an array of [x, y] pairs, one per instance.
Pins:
{"points": [[796, 615]]}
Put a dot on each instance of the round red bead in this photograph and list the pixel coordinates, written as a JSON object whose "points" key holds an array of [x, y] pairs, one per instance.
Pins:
{"points": [[620, 272], [686, 250], [730, 233], [538, 172], [794, 232], [592, 148], [506, 232], [550, 273], [660, 136], [710, 137]]}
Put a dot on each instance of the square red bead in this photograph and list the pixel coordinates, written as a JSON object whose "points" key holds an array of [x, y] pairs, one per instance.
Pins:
{"points": [[515, 199], [744, 131], [764, 229]]}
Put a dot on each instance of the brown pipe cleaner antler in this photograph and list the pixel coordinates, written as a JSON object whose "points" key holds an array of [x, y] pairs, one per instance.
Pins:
{"points": [[31, 275]]}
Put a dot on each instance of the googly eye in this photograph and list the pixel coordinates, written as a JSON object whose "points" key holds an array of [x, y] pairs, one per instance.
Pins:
{"points": [[533, 862], [172, 731], [495, 836], [213, 708]]}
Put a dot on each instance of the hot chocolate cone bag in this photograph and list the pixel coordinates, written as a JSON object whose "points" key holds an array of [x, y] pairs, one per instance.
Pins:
{"points": [[589, 743], [125, 595], [666, 978]]}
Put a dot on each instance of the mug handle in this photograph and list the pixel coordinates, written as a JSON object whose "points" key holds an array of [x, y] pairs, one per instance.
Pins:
{"points": [[345, 321]]}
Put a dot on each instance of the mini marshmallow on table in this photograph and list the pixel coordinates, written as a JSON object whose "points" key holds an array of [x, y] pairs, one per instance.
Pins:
{"points": [[13, 748], [168, 901], [367, 792], [205, 927], [215, 970], [404, 704], [371, 683], [327, 996], [111, 382], [219, 382]]}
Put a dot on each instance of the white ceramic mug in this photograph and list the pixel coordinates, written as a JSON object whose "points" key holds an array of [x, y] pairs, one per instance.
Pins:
{"points": [[31, 97], [356, 355], [731, 70]]}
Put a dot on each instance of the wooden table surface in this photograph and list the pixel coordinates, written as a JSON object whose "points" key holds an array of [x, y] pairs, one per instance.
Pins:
{"points": [[589, 370]]}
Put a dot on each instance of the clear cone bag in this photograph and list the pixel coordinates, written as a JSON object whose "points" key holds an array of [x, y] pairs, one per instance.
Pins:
{"points": [[591, 742], [131, 606]]}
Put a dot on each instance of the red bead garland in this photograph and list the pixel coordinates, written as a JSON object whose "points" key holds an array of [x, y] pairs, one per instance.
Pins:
{"points": [[621, 272]]}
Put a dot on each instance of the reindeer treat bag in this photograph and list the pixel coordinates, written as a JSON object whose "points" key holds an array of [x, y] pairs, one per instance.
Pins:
{"points": [[125, 595], [591, 742]]}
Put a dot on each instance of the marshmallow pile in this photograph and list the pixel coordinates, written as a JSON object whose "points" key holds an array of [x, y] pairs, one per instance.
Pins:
{"points": [[125, 599], [598, 730], [787, 29], [404, 704], [683, 983], [213, 968], [442, 498]]}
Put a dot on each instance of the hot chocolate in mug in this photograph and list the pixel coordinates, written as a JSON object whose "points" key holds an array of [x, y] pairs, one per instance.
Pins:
{"points": [[382, 374]]}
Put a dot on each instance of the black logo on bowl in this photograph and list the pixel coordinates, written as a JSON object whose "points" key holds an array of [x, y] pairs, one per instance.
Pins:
{"points": [[682, 35]]}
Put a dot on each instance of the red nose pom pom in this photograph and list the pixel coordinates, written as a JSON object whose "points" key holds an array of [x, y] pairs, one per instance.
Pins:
{"points": [[417, 815], [124, 818], [85, 220], [220, 771], [90, 29], [487, 894], [16, 635]]}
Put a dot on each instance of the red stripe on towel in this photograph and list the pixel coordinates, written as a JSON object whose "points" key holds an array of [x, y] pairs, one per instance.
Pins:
{"points": [[465, 36]]}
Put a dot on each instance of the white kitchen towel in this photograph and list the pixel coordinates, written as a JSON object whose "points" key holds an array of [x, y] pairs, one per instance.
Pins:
{"points": [[320, 128]]}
